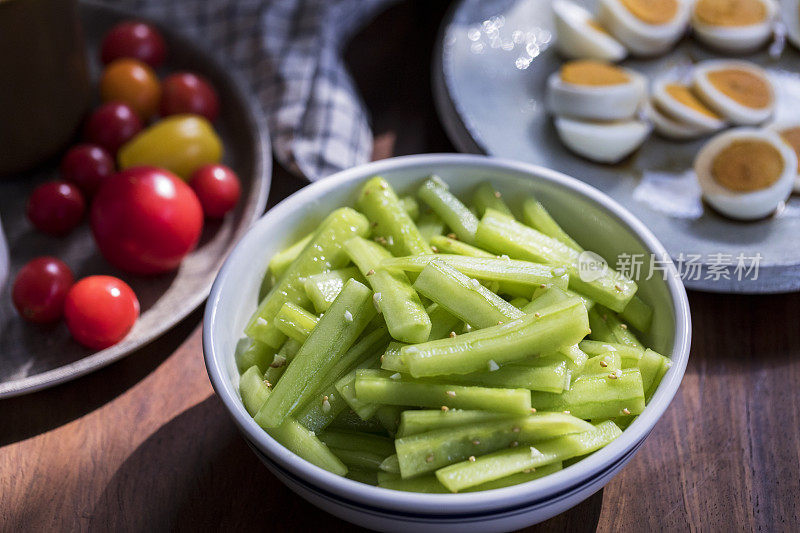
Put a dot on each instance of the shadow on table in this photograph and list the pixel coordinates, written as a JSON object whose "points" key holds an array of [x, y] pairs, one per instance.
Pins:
{"points": [[197, 474], [29, 415]]}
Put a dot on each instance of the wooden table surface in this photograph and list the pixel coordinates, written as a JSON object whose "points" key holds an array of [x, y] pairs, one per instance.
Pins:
{"points": [[145, 444]]}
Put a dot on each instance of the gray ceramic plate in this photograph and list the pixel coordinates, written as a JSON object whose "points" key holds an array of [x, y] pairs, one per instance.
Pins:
{"points": [[489, 78], [32, 357]]}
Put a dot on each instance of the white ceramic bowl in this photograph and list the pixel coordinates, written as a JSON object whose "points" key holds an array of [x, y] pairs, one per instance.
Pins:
{"points": [[592, 218]]}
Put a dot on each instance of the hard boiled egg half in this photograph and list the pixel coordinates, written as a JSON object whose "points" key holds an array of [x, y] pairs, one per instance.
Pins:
{"points": [[681, 103], [746, 173], [733, 25], [645, 27], [604, 142], [580, 36], [737, 90], [669, 126], [595, 90], [790, 134]]}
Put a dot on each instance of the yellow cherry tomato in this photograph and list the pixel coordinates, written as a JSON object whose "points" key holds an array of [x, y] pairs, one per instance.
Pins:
{"points": [[131, 82], [179, 143]]}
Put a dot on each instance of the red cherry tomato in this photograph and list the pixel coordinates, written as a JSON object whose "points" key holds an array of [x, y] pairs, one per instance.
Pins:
{"points": [[134, 39], [56, 207], [112, 124], [217, 187], [87, 165], [100, 311], [145, 220], [184, 92], [40, 289]]}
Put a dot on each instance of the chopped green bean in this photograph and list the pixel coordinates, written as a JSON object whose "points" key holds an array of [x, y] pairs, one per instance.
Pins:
{"points": [[377, 386], [329, 340], [281, 360], [349, 420], [449, 208], [653, 366], [446, 245], [411, 206], [501, 235], [363, 475], [487, 269], [293, 436], [391, 465], [486, 196], [347, 389], [323, 252], [464, 297], [389, 417], [322, 289], [629, 354], [426, 452], [424, 484], [560, 325], [394, 297], [550, 294], [391, 223], [547, 374], [504, 463], [442, 322], [611, 329], [295, 322], [599, 396], [519, 302], [430, 225], [422, 420], [638, 314], [536, 216], [604, 363], [353, 440], [281, 261], [251, 352]]}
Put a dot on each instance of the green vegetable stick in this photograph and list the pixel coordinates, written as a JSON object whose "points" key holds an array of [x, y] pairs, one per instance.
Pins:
{"points": [[293, 436], [281, 360], [363, 475], [326, 402], [638, 314], [295, 322], [501, 235], [600, 396], [429, 484], [389, 417], [446, 245], [487, 197], [347, 389], [547, 374], [464, 297], [348, 420], [391, 223], [516, 479], [430, 225], [323, 253], [411, 206], [391, 464], [429, 451], [612, 329], [504, 463], [422, 420], [456, 216], [425, 484], [536, 216], [322, 289], [329, 340], [442, 322], [604, 363], [358, 459], [281, 261], [550, 294], [653, 366], [560, 325], [396, 300], [251, 352], [378, 387], [364, 442], [629, 354], [487, 268]]}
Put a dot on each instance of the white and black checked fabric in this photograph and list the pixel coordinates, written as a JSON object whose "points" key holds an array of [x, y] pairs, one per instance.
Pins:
{"points": [[289, 51]]}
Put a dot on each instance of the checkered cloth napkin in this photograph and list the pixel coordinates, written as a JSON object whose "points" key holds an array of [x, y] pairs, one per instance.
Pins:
{"points": [[290, 52]]}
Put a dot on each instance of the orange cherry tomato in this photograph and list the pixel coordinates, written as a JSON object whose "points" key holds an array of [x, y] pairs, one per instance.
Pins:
{"points": [[132, 82]]}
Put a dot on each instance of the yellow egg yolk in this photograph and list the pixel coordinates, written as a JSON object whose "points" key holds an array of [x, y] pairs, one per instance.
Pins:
{"points": [[743, 87], [596, 26], [685, 96], [652, 11], [791, 136], [747, 165], [730, 12], [596, 73]]}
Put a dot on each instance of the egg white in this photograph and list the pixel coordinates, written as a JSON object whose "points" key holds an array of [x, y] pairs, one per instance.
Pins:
{"points": [[682, 112], [603, 142], [778, 126], [723, 104], [745, 205], [577, 39], [668, 126], [596, 102], [736, 39], [640, 37]]}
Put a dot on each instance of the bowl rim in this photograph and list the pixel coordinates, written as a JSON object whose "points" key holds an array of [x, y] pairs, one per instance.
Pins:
{"points": [[465, 503]]}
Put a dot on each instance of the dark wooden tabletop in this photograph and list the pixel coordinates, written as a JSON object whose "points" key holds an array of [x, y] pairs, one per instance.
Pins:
{"points": [[145, 445]]}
